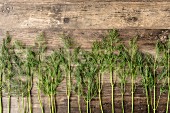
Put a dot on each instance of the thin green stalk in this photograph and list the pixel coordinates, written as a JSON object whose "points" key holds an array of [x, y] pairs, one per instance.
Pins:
{"points": [[23, 103], [122, 93], [78, 97], [147, 98], [69, 83], [100, 99], [167, 106], [39, 91], [55, 110], [123, 110], [112, 85], [132, 85], [9, 104], [49, 103], [87, 106], [68, 80], [112, 98], [29, 96], [39, 99], [52, 104], [9, 97], [154, 88], [68, 106], [1, 103]]}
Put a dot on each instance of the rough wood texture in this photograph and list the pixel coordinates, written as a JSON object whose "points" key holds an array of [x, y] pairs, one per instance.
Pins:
{"points": [[87, 21], [90, 15], [85, 39], [74, 1]]}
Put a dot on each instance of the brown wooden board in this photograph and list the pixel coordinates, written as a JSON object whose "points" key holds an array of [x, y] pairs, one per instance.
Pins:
{"points": [[86, 21], [85, 38], [91, 15], [74, 1]]}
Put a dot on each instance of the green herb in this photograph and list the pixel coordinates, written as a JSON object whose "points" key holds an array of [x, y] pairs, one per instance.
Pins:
{"points": [[132, 66], [68, 45], [101, 61], [77, 73], [40, 55], [110, 46], [6, 59], [30, 64], [122, 73], [168, 72], [155, 75], [89, 72], [145, 65], [52, 78], [19, 83], [164, 76]]}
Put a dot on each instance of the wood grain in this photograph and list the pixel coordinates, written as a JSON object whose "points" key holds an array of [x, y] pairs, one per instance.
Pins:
{"points": [[75, 1], [86, 21], [92, 15], [85, 38]]}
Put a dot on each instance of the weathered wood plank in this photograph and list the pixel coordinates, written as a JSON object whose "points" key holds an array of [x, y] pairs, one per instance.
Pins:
{"points": [[140, 102], [85, 38], [74, 1], [92, 15]]}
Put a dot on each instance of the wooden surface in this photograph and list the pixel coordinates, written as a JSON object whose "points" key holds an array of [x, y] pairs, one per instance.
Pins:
{"points": [[89, 15], [87, 21]]}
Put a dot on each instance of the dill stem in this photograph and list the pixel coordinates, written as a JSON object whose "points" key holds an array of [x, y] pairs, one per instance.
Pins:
{"points": [[23, 103], [9, 98], [69, 82], [39, 99], [112, 98], [87, 106], [132, 85], [1, 103], [9, 103], [39, 91], [68, 102], [112, 85], [167, 106], [29, 96], [101, 107], [52, 104], [147, 98], [122, 93], [154, 88], [49, 99], [123, 103], [79, 103]]}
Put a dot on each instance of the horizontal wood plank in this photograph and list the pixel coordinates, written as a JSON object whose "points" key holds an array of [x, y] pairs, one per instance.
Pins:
{"points": [[92, 15], [85, 38], [75, 1]]}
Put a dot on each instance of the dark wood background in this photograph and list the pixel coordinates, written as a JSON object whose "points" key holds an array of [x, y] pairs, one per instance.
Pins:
{"points": [[87, 21]]}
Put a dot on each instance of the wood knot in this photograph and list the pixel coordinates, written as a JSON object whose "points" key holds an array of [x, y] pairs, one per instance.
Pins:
{"points": [[6, 8], [132, 19], [66, 20]]}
